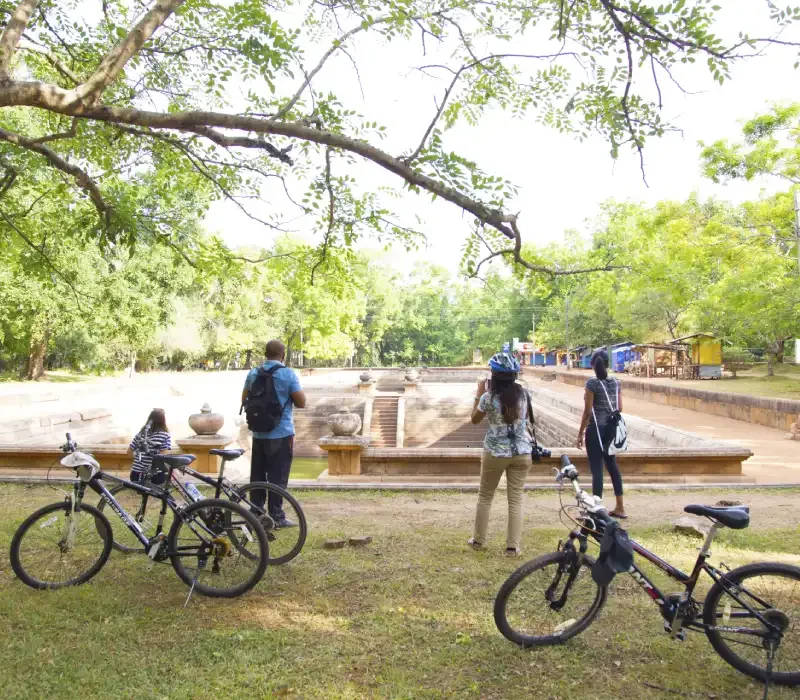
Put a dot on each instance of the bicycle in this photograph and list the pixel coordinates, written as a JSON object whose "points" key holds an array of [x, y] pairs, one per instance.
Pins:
{"points": [[284, 543], [745, 609], [68, 542]]}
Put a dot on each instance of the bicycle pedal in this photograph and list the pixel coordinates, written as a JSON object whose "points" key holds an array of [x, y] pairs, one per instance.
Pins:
{"points": [[680, 635]]}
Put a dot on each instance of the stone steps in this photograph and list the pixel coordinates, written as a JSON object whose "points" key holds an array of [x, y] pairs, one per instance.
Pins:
{"points": [[383, 428]]}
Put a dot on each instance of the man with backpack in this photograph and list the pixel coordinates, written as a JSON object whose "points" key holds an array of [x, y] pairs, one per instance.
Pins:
{"points": [[270, 394]]}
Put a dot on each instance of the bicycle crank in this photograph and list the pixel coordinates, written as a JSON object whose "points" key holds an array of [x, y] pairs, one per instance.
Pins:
{"points": [[222, 549]]}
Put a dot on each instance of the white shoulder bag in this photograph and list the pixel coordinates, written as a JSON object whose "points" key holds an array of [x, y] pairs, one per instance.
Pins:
{"points": [[619, 441]]}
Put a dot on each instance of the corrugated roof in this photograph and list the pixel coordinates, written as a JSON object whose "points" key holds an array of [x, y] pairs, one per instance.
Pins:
{"points": [[693, 335]]}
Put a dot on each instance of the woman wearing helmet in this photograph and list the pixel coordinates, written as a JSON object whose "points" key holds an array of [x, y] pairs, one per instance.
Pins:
{"points": [[506, 448]]}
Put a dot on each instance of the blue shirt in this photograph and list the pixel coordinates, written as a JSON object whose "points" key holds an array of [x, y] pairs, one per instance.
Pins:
{"points": [[286, 384]]}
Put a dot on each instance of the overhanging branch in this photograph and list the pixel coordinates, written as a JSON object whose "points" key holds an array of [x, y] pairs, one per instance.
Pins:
{"points": [[13, 33], [82, 178], [114, 62]]}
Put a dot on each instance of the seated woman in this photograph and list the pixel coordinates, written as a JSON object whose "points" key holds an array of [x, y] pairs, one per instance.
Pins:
{"points": [[506, 448], [152, 439]]}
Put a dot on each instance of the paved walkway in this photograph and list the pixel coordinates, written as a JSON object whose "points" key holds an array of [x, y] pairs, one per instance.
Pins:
{"points": [[775, 460]]}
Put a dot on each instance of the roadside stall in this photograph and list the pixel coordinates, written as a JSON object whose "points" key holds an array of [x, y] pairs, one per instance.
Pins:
{"points": [[705, 361], [657, 360]]}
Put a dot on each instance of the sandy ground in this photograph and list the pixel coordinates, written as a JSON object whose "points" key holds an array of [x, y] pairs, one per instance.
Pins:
{"points": [[768, 509]]}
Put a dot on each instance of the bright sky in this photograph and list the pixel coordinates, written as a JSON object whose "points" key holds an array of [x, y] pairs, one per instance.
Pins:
{"points": [[561, 181]]}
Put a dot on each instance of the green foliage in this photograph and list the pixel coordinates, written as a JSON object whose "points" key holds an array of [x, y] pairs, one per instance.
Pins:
{"points": [[771, 147]]}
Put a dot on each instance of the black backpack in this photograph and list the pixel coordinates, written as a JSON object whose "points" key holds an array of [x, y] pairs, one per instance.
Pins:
{"points": [[262, 407]]}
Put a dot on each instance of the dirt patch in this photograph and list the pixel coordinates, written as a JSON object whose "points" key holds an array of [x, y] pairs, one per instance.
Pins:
{"points": [[768, 510]]}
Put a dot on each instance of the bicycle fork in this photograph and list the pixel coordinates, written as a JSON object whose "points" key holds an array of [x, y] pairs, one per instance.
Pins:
{"points": [[571, 565], [75, 499]]}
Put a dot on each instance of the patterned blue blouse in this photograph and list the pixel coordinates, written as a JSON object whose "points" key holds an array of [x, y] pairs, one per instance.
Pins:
{"points": [[500, 441]]}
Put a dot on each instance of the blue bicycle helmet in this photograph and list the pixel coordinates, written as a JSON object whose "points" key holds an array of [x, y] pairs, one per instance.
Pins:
{"points": [[504, 363]]}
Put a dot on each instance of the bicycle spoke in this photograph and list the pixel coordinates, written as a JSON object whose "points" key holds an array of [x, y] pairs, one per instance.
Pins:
{"points": [[44, 555], [777, 599]]}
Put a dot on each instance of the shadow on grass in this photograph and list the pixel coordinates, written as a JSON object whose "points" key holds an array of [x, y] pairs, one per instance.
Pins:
{"points": [[410, 616]]}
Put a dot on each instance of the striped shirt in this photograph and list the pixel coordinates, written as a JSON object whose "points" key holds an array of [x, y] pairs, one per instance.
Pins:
{"points": [[158, 442], [601, 406]]}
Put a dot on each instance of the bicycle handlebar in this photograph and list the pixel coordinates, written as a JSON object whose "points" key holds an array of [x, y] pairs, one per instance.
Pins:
{"points": [[568, 471], [70, 445]]}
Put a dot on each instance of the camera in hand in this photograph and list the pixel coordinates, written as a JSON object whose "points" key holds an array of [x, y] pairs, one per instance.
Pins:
{"points": [[538, 452]]}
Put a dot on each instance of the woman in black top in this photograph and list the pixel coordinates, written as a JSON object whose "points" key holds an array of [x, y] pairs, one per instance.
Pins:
{"points": [[601, 398]]}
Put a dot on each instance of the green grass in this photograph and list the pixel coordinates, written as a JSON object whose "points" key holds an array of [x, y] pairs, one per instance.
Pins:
{"points": [[784, 385], [407, 617], [308, 467], [59, 377]]}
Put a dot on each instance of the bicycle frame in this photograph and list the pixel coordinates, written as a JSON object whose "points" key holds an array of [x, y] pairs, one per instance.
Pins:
{"points": [[666, 608], [220, 484], [162, 494]]}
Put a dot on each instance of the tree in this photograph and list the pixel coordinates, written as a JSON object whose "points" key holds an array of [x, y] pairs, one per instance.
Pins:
{"points": [[155, 81], [770, 149]]}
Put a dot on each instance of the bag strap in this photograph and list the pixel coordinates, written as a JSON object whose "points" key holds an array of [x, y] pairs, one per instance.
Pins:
{"points": [[616, 406], [597, 428], [268, 372], [531, 418]]}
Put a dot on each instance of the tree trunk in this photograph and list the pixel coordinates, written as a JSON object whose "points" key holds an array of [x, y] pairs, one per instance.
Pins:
{"points": [[35, 368], [132, 369], [779, 350], [248, 362], [770, 367]]}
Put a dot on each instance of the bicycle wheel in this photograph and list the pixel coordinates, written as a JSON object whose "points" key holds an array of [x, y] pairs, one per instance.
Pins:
{"points": [[55, 548], [526, 610], [203, 553], [285, 543], [143, 508], [773, 590]]}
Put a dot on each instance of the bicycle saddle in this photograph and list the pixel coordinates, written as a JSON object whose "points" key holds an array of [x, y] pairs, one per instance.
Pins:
{"points": [[174, 460], [227, 454], [734, 517]]}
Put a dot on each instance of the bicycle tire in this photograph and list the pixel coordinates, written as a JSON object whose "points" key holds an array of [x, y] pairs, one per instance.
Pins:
{"points": [[188, 576], [120, 544], [511, 584], [711, 615], [101, 526], [274, 535]]}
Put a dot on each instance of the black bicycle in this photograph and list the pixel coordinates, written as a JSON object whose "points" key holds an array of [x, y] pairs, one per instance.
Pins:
{"points": [[751, 614], [215, 546], [285, 543]]}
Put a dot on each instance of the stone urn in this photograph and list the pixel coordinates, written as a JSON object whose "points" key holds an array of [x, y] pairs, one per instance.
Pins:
{"points": [[206, 422], [344, 423], [366, 377]]}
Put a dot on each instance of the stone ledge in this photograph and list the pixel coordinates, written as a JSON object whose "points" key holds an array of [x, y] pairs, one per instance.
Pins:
{"points": [[344, 442], [423, 454], [34, 425]]}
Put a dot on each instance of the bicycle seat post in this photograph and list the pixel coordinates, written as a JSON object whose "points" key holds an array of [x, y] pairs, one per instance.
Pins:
{"points": [[222, 461], [705, 550]]}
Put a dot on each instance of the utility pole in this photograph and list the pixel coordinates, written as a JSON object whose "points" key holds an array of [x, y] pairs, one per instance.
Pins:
{"points": [[533, 329], [797, 224], [566, 328]]}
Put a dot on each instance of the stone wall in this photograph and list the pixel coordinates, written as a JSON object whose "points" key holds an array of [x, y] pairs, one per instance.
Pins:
{"points": [[441, 423], [95, 424], [649, 464], [554, 428], [774, 413], [559, 417], [311, 423]]}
